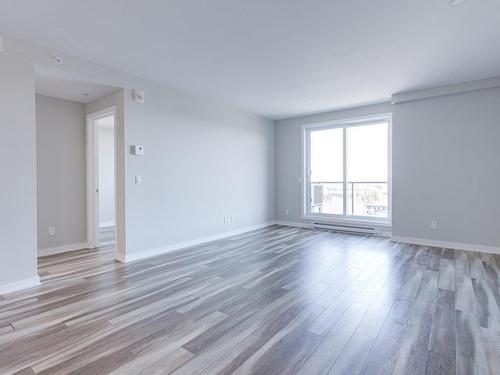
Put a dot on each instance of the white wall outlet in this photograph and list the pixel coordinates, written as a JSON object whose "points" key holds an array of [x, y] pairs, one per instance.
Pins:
{"points": [[287, 212], [434, 224], [138, 180], [52, 231]]}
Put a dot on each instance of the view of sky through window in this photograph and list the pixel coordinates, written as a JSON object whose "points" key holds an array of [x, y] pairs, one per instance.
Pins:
{"points": [[366, 184]]}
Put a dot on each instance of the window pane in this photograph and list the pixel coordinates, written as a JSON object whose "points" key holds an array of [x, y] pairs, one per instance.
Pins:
{"points": [[327, 164], [367, 170]]}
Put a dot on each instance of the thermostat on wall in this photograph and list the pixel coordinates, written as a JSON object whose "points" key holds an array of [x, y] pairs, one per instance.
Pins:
{"points": [[137, 150]]}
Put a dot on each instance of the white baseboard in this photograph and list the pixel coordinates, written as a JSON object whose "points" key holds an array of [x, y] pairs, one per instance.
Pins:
{"points": [[19, 285], [181, 245], [446, 244], [106, 224], [62, 249], [292, 224]]}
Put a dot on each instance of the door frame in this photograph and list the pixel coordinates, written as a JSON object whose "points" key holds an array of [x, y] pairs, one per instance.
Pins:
{"points": [[93, 174]]}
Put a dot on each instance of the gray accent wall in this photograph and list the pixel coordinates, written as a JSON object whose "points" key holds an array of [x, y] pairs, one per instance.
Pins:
{"points": [[61, 172], [446, 167], [18, 170]]}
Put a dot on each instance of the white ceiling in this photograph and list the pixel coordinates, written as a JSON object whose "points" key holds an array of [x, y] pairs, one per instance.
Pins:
{"points": [[60, 84], [278, 58]]}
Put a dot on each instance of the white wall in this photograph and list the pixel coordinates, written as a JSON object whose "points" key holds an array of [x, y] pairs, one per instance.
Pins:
{"points": [[61, 190], [203, 160], [288, 194], [447, 167], [106, 160], [18, 248]]}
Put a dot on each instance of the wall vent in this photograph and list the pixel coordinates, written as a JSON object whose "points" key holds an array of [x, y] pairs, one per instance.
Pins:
{"points": [[365, 229]]}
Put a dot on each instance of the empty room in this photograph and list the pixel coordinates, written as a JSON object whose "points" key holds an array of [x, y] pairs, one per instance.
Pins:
{"points": [[250, 187]]}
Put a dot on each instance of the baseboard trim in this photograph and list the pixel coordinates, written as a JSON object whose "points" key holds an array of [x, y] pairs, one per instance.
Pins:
{"points": [[107, 224], [19, 285], [292, 224], [127, 258], [62, 249], [446, 244]]}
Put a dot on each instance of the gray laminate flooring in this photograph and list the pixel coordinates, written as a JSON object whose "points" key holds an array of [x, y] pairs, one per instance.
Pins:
{"points": [[106, 236], [280, 300]]}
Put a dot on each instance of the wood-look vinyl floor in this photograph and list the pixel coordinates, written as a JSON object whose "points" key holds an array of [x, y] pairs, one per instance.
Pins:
{"points": [[279, 300]]}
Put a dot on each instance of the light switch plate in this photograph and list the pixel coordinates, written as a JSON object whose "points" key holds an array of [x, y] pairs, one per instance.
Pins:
{"points": [[137, 150]]}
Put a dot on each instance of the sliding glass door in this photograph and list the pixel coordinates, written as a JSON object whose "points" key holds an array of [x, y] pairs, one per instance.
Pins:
{"points": [[327, 186], [347, 174]]}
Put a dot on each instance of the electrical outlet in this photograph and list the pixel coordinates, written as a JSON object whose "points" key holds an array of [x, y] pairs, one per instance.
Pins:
{"points": [[434, 224], [52, 231], [287, 212]]}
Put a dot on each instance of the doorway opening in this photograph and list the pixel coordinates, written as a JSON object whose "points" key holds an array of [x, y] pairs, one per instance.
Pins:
{"points": [[101, 179], [63, 101]]}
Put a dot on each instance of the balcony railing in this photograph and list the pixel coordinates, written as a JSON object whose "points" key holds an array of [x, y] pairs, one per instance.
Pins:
{"points": [[364, 198]]}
